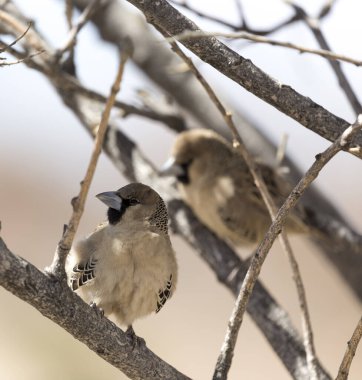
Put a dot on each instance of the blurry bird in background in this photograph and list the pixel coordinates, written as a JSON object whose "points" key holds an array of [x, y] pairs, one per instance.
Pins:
{"points": [[127, 266], [216, 183]]}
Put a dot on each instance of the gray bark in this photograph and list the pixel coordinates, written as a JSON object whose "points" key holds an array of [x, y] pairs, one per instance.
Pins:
{"points": [[57, 302]]}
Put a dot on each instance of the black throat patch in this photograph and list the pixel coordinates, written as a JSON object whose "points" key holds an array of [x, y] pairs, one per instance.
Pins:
{"points": [[114, 216]]}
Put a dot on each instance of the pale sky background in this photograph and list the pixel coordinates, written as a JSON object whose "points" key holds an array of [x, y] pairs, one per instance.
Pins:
{"points": [[43, 155]]}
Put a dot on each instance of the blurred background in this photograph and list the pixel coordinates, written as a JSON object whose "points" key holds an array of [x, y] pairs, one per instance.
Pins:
{"points": [[44, 152]]}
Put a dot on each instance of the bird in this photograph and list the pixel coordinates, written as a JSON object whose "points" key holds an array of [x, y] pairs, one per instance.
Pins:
{"points": [[127, 266], [215, 181]]}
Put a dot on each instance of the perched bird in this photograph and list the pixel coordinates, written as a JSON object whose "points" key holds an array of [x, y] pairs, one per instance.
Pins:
{"points": [[127, 266], [216, 183]]}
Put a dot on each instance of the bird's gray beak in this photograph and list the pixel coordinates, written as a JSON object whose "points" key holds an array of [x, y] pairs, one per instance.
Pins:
{"points": [[171, 168], [111, 199]]}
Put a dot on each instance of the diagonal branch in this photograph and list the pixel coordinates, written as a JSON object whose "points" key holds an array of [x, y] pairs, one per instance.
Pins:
{"points": [[350, 352], [57, 267], [7, 46], [227, 266], [56, 301], [241, 70], [313, 25], [75, 29], [224, 360], [269, 316], [264, 40], [243, 25], [115, 20], [222, 370]]}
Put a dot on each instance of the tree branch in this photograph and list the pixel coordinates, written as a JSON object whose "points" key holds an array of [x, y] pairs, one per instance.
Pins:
{"points": [[246, 74], [58, 266], [241, 149], [75, 29], [350, 352], [264, 40], [236, 319], [225, 263], [243, 24], [313, 25], [56, 301], [340, 242], [7, 46]]}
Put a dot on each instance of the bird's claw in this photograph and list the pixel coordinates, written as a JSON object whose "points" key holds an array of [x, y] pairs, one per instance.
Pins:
{"points": [[98, 310], [136, 341]]}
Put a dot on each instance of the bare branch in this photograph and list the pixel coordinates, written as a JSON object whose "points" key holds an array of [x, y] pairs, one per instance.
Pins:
{"points": [[239, 8], [339, 243], [243, 24], [313, 25], [308, 339], [228, 267], [75, 29], [5, 47], [326, 9], [350, 352], [56, 301], [20, 60], [57, 267], [302, 109], [221, 369], [226, 264], [262, 306], [69, 13], [261, 39], [236, 319]]}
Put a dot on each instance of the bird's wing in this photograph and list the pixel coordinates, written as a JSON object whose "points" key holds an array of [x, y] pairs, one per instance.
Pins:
{"points": [[82, 273], [244, 213], [164, 294]]}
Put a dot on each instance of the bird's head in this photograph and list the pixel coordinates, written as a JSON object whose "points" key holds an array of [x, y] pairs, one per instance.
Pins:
{"points": [[135, 202], [195, 153]]}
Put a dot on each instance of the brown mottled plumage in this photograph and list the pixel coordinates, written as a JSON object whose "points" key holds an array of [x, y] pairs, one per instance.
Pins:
{"points": [[127, 266], [216, 183]]}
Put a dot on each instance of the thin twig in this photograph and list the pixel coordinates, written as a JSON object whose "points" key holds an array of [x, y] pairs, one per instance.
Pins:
{"points": [[69, 13], [267, 242], [268, 315], [350, 352], [221, 369], [30, 56], [3, 49], [308, 339], [326, 9], [313, 25], [241, 26], [57, 267], [66, 81], [239, 8], [261, 39], [82, 20], [244, 25]]}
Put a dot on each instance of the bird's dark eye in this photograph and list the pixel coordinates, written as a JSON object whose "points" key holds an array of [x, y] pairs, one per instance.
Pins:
{"points": [[133, 202]]}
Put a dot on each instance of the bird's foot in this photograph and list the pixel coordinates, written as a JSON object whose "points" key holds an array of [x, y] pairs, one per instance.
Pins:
{"points": [[98, 310], [136, 341]]}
